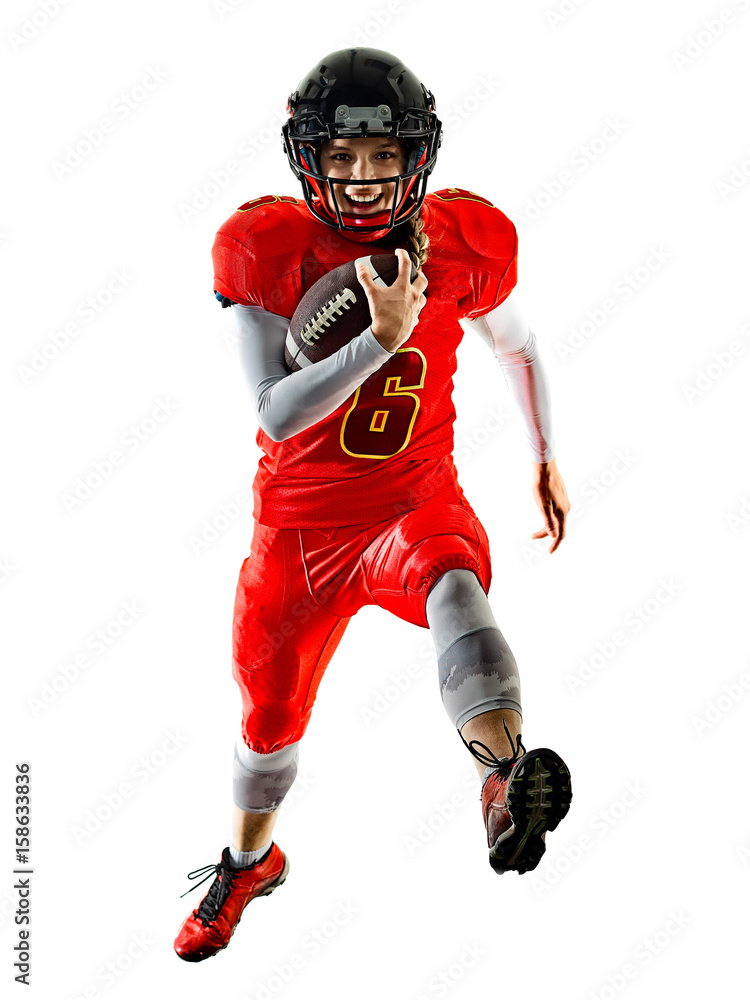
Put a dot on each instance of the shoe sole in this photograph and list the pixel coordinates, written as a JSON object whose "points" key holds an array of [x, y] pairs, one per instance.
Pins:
{"points": [[266, 892], [538, 797]]}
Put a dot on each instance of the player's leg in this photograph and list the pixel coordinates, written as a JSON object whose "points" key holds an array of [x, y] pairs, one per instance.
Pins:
{"points": [[432, 567], [250, 831], [282, 643], [479, 682], [493, 729], [524, 794], [260, 783]]}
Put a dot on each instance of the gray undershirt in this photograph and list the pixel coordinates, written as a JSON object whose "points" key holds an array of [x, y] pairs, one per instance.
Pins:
{"points": [[289, 403]]}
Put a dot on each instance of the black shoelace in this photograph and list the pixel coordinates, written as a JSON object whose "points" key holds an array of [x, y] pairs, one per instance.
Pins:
{"points": [[503, 764], [218, 893]]}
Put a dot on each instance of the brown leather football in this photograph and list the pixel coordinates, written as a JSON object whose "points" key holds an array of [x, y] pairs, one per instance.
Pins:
{"points": [[335, 310]]}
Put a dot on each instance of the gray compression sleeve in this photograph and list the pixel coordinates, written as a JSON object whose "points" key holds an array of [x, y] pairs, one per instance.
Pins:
{"points": [[289, 403], [261, 780], [477, 670], [514, 346]]}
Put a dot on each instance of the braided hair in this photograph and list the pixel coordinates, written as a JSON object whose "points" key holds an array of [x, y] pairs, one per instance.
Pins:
{"points": [[418, 241]]}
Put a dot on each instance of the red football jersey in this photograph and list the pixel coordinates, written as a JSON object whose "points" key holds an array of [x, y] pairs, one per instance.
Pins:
{"points": [[388, 448]]}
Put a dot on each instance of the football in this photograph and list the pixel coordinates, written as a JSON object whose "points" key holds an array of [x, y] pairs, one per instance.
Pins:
{"points": [[335, 310]]}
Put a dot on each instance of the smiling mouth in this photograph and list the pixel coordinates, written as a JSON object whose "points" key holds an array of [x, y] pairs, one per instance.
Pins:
{"points": [[364, 205]]}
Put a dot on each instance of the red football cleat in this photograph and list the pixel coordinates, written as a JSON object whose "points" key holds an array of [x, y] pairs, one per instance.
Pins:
{"points": [[524, 797], [209, 928]]}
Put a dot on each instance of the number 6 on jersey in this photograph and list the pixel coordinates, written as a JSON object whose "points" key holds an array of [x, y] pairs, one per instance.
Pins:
{"points": [[380, 420]]}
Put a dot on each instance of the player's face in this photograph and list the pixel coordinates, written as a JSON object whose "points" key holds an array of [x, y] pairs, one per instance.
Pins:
{"points": [[362, 159]]}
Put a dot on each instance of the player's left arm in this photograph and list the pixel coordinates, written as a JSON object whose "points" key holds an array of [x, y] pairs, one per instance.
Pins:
{"points": [[514, 345]]}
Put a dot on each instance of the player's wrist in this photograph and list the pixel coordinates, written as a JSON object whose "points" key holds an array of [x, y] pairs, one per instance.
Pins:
{"points": [[385, 339], [374, 344]]}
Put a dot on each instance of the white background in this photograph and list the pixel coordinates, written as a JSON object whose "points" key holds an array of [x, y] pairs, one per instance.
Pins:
{"points": [[384, 824]]}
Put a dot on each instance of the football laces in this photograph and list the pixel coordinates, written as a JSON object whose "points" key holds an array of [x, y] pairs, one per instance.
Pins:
{"points": [[327, 315]]}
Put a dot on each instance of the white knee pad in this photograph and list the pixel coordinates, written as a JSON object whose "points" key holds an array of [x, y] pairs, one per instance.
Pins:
{"points": [[261, 780]]}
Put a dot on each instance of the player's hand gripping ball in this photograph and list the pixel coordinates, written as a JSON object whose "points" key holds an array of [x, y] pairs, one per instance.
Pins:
{"points": [[335, 310]]}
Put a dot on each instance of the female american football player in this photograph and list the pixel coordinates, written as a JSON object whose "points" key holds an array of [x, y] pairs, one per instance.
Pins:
{"points": [[356, 499]]}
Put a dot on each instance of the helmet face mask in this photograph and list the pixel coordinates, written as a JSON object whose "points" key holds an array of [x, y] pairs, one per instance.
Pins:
{"points": [[362, 93]]}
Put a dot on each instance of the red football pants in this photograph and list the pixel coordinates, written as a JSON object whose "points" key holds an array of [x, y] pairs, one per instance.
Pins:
{"points": [[299, 587]]}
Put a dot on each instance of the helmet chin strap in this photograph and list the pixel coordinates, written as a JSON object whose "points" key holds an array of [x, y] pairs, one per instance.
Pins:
{"points": [[374, 219], [379, 234], [377, 218]]}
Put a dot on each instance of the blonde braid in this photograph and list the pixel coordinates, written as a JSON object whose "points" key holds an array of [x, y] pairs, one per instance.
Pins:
{"points": [[419, 241]]}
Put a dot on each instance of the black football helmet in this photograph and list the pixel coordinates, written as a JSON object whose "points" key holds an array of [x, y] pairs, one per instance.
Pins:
{"points": [[362, 92]]}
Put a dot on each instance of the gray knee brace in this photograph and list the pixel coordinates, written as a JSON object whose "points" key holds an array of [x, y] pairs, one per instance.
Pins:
{"points": [[477, 670], [261, 780]]}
